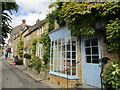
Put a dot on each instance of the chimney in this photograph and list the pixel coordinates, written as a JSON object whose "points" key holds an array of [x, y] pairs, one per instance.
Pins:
{"points": [[23, 21]]}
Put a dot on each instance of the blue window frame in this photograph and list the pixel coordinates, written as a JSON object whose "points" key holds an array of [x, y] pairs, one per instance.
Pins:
{"points": [[63, 57]]}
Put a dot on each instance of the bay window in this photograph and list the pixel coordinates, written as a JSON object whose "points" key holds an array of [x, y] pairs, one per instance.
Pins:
{"points": [[63, 59]]}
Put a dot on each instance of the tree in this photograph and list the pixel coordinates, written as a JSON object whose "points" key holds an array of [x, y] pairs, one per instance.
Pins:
{"points": [[6, 19]]}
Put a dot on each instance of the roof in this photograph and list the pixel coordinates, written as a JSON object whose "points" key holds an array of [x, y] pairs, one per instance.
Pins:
{"points": [[34, 27], [16, 30], [56, 30]]}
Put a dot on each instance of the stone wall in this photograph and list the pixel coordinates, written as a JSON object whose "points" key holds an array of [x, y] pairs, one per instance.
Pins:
{"points": [[64, 82], [105, 53]]}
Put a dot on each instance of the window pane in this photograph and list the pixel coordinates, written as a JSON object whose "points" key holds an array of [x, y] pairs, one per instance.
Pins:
{"points": [[68, 47], [55, 55], [58, 55], [67, 40], [88, 59], [95, 59], [55, 49], [68, 54], [51, 49], [68, 63], [54, 62], [59, 48], [62, 63], [51, 55], [55, 69], [73, 47], [63, 41], [88, 50], [68, 71], [73, 71], [87, 43], [59, 62], [73, 39], [51, 68], [63, 70], [94, 42], [94, 50], [52, 43], [51, 61], [73, 63], [55, 42], [74, 55], [59, 42], [63, 48], [59, 70], [63, 54]]}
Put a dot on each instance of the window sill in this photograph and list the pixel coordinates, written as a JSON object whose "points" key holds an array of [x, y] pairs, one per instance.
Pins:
{"points": [[64, 75]]}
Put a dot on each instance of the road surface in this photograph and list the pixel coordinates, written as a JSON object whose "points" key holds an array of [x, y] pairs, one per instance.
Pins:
{"points": [[14, 78]]}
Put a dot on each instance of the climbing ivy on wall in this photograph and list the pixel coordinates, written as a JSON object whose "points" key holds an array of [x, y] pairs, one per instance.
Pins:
{"points": [[45, 41], [20, 46], [113, 34], [33, 47], [80, 17], [53, 16]]}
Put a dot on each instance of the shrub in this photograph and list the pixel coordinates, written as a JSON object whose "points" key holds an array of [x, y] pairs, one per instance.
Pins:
{"points": [[35, 63], [112, 75], [19, 62], [27, 56]]}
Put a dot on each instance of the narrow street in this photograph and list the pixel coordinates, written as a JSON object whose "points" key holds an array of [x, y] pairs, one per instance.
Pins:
{"points": [[14, 78]]}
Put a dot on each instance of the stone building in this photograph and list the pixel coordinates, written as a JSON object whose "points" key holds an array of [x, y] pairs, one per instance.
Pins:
{"points": [[14, 36], [76, 60]]}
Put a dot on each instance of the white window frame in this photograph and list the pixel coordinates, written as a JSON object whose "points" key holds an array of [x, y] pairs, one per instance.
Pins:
{"points": [[55, 60], [40, 50], [41, 30], [98, 46]]}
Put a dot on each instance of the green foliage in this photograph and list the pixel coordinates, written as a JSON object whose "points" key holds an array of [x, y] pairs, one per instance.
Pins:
{"points": [[109, 8], [113, 34], [45, 41], [6, 19], [112, 76], [19, 62], [53, 16], [27, 56], [20, 48], [80, 17], [36, 63], [33, 47]]}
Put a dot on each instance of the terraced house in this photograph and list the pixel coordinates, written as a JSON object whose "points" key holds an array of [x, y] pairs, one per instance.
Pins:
{"points": [[34, 32], [28, 33], [15, 36]]}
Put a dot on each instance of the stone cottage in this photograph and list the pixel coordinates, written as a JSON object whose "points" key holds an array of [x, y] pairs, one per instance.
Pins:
{"points": [[75, 60]]}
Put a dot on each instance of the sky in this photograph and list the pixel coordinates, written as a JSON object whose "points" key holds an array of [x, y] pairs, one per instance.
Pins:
{"points": [[31, 11]]}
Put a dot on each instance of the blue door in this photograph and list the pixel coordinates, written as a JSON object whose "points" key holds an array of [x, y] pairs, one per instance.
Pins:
{"points": [[91, 53]]}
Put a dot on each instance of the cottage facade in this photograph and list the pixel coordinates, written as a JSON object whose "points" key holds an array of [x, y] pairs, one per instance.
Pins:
{"points": [[75, 60], [14, 36]]}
